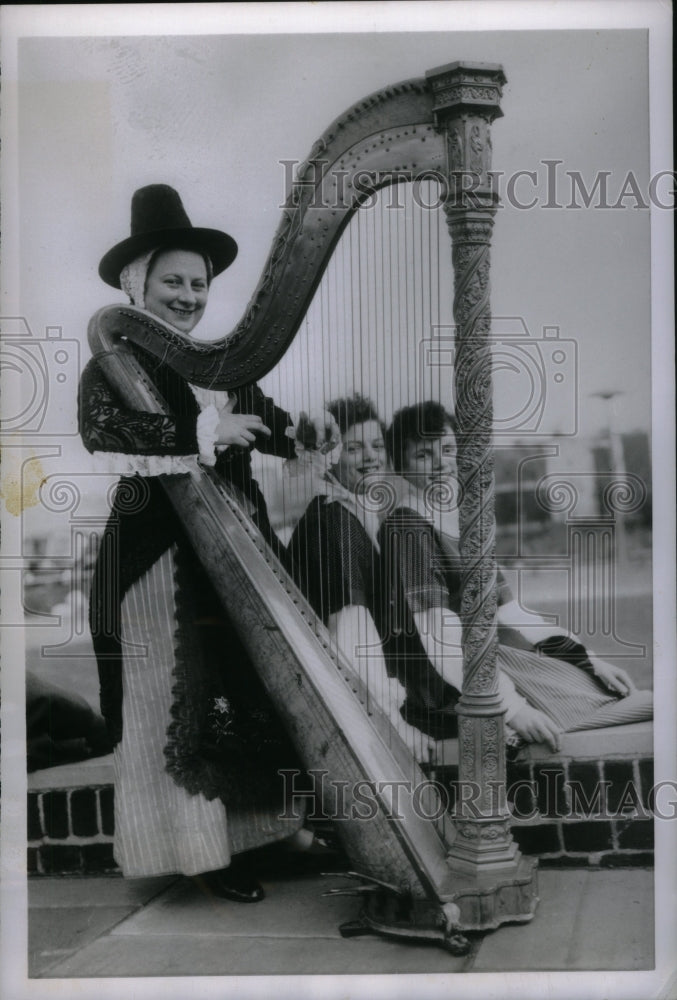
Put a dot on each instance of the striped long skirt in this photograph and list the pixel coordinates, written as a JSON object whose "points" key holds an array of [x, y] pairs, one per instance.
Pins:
{"points": [[160, 827], [566, 694]]}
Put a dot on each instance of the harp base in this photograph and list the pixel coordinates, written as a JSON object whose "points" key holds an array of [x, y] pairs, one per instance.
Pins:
{"points": [[488, 899]]}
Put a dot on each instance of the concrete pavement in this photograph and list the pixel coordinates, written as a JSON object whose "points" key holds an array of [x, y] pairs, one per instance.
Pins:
{"points": [[107, 926]]}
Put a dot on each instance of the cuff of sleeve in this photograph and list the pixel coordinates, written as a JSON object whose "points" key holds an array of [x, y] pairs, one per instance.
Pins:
{"points": [[512, 700], [207, 423], [120, 464], [563, 647]]}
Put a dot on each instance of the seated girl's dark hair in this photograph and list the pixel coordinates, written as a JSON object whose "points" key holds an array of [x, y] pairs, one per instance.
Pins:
{"points": [[416, 423], [355, 409]]}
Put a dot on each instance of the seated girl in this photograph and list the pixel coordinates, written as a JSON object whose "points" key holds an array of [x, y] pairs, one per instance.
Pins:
{"points": [[334, 550], [548, 681]]}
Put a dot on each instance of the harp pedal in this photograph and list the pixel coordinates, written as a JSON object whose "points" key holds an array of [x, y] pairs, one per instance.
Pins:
{"points": [[397, 915]]}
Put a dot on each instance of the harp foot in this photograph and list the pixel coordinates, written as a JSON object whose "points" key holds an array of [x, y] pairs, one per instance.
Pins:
{"points": [[396, 915], [456, 944]]}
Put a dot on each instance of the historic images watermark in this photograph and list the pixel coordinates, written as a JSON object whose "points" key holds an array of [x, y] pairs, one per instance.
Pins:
{"points": [[546, 187], [336, 800]]}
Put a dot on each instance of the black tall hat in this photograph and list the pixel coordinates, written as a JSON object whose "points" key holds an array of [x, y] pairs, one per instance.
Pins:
{"points": [[159, 220]]}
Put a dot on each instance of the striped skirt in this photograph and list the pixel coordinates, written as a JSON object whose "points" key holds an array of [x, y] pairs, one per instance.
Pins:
{"points": [[160, 827], [566, 694]]}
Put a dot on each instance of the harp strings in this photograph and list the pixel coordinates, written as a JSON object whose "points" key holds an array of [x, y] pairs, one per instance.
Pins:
{"points": [[379, 325], [386, 294]]}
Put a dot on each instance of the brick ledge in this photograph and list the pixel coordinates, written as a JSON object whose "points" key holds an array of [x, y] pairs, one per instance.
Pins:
{"points": [[634, 740], [86, 773], [70, 807]]}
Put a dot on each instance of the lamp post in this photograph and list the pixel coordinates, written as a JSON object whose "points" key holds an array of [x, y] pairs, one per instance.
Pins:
{"points": [[618, 469]]}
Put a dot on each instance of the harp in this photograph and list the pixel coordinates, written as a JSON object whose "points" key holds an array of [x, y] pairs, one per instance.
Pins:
{"points": [[420, 878]]}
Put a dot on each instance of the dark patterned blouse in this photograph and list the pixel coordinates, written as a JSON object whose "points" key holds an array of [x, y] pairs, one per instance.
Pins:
{"points": [[336, 564]]}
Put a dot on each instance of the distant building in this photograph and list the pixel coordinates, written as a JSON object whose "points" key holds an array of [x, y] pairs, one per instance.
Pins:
{"points": [[538, 483]]}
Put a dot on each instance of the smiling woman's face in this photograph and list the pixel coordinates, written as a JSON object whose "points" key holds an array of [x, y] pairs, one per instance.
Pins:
{"points": [[363, 452], [177, 287]]}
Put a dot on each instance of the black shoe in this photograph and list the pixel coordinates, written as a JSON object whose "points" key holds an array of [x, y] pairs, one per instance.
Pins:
{"points": [[234, 884]]}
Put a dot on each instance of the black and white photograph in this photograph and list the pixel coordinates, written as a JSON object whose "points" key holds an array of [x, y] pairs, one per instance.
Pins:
{"points": [[338, 543]]}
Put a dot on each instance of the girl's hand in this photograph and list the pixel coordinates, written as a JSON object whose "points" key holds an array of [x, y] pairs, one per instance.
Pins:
{"points": [[615, 678], [535, 727], [240, 429], [318, 432]]}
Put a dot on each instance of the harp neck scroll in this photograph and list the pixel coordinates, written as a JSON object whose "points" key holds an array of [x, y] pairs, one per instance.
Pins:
{"points": [[400, 134]]}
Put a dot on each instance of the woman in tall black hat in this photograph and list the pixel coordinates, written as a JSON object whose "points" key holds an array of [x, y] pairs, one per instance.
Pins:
{"points": [[197, 744]]}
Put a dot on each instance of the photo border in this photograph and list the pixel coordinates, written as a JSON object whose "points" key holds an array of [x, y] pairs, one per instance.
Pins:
{"points": [[180, 19]]}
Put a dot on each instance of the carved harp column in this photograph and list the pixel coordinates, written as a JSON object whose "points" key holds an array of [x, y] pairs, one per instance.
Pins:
{"points": [[465, 102]]}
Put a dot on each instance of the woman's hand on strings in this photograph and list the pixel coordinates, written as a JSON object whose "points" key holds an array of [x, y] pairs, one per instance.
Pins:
{"points": [[614, 678], [240, 429], [535, 727]]}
